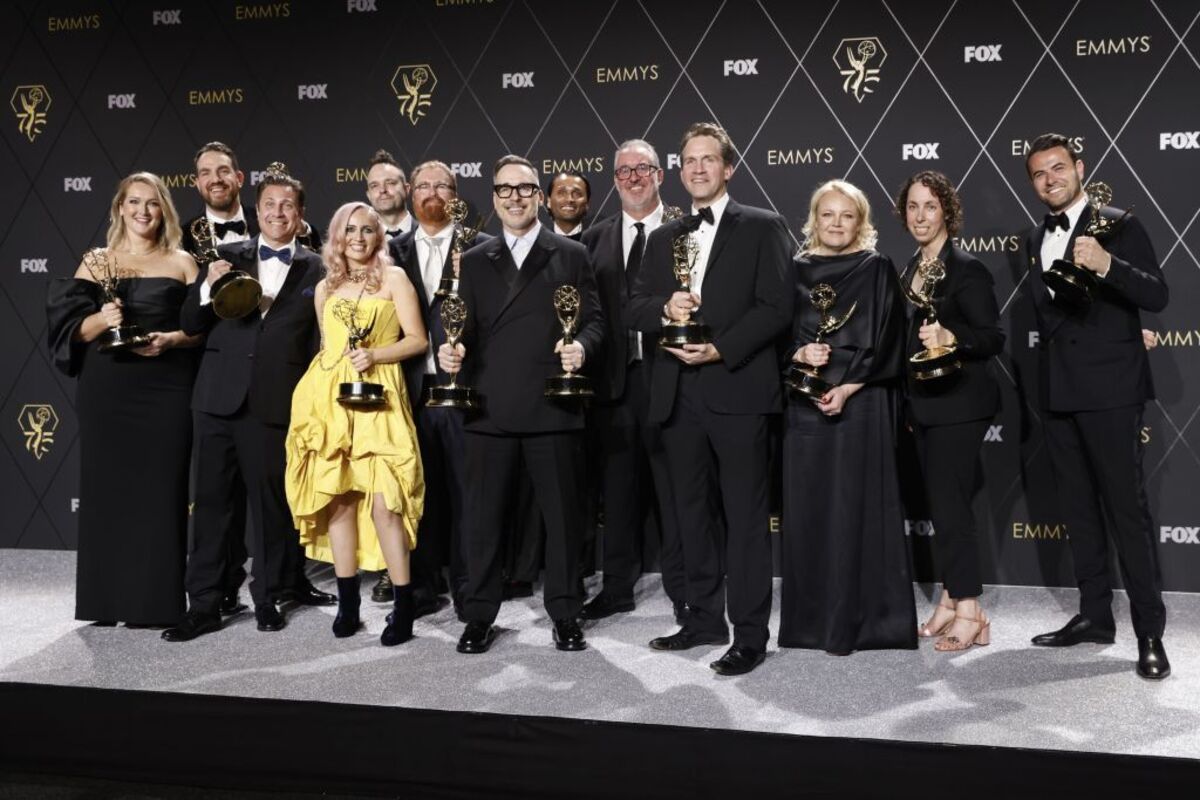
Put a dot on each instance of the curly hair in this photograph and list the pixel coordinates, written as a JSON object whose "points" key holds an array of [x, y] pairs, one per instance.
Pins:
{"points": [[867, 235], [943, 190], [337, 271]]}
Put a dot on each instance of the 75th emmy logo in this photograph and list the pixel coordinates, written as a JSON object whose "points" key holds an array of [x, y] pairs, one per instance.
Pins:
{"points": [[414, 85], [30, 104], [859, 60], [38, 422]]}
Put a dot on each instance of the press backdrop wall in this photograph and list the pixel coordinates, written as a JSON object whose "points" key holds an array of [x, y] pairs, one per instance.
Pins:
{"points": [[868, 91]]}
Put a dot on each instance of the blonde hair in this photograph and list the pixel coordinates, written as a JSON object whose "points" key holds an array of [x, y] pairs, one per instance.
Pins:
{"points": [[169, 232], [867, 235]]}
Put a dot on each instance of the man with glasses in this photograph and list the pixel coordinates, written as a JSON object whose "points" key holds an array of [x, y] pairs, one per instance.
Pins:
{"points": [[714, 399], [387, 191], [509, 345], [624, 441], [567, 197], [426, 254]]}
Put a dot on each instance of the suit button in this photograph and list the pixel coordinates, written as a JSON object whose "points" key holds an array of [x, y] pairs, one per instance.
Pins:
{"points": [[250, 355]]}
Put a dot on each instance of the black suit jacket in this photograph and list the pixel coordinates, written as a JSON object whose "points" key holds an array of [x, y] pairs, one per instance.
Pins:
{"points": [[966, 305], [1092, 357], [747, 301], [512, 328], [403, 250], [606, 246], [255, 360]]}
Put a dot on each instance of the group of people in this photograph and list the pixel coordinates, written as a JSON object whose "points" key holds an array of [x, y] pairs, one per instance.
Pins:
{"points": [[679, 432]]}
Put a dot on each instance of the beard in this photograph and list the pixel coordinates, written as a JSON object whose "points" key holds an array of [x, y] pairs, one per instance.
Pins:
{"points": [[432, 211], [224, 207]]}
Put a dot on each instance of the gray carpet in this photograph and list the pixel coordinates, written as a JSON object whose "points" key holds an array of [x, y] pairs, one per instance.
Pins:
{"points": [[1009, 694]]}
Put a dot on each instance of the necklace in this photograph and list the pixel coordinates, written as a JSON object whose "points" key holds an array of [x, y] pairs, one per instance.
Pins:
{"points": [[357, 275]]}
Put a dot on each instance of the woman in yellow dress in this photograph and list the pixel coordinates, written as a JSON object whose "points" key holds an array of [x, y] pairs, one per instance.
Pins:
{"points": [[354, 479]]}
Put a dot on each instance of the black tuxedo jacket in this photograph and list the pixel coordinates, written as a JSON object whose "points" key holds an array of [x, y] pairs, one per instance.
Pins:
{"points": [[255, 360], [1092, 357], [403, 250], [966, 305], [747, 301], [606, 246], [512, 328], [189, 242]]}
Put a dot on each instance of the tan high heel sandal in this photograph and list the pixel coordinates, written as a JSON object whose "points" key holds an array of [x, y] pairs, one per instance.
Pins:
{"points": [[926, 631], [981, 637]]}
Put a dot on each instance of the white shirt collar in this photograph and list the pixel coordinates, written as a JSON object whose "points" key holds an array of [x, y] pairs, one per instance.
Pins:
{"points": [[651, 220], [573, 232], [1075, 211], [240, 216], [443, 234], [528, 238]]}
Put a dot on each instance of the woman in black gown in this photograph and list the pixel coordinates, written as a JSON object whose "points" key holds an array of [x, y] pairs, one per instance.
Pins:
{"points": [[846, 577], [133, 407], [950, 415]]}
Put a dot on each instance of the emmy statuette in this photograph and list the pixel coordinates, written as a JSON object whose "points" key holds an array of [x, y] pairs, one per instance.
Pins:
{"points": [[454, 318], [104, 271], [1072, 283], [932, 362], [235, 294], [807, 380], [567, 384]]}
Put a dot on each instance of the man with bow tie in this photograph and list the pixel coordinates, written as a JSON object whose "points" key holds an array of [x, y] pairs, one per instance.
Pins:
{"points": [[714, 400], [1093, 381], [241, 404]]}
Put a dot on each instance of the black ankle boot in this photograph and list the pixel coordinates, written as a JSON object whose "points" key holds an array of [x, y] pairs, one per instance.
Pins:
{"points": [[346, 623], [400, 621]]}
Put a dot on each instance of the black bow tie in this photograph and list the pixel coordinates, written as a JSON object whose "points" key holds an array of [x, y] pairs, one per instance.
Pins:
{"points": [[1053, 221], [692, 222], [394, 232], [222, 228]]}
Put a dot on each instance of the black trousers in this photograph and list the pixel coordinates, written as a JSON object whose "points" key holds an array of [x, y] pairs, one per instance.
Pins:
{"points": [[240, 457], [950, 464], [1097, 461], [633, 481], [439, 537], [525, 535], [731, 452], [554, 465]]}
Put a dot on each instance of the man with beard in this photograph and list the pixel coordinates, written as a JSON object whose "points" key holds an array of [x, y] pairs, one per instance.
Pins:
{"points": [[567, 196], [1093, 380], [509, 286], [426, 254], [624, 442], [387, 191]]}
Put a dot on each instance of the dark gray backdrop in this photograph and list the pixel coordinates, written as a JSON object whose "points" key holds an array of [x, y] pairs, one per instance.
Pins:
{"points": [[99, 89]]}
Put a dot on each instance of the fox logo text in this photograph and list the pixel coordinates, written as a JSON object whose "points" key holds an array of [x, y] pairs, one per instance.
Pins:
{"points": [[516, 80], [167, 17], [983, 52], [1178, 535], [122, 101], [77, 184], [468, 169], [919, 152], [34, 265], [741, 66], [1185, 140], [312, 91]]}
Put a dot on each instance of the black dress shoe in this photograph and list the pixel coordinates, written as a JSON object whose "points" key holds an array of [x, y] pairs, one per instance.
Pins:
{"points": [[306, 595], [192, 625], [568, 635], [605, 605], [513, 589], [231, 604], [1079, 629], [477, 637], [738, 660], [1152, 659], [269, 618], [382, 593], [686, 640]]}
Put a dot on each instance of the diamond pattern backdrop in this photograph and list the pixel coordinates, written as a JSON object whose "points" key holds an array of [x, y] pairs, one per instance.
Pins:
{"points": [[868, 90]]}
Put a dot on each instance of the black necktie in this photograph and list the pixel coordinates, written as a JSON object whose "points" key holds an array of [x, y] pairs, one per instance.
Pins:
{"points": [[222, 228], [634, 262], [1057, 221]]}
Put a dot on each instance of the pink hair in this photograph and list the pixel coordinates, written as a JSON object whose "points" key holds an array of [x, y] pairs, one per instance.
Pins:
{"points": [[336, 269]]}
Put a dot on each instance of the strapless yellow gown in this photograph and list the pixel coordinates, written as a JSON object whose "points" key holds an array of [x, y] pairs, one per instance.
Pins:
{"points": [[333, 449]]}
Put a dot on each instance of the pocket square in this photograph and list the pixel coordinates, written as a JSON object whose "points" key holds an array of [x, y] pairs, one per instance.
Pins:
{"points": [[309, 291]]}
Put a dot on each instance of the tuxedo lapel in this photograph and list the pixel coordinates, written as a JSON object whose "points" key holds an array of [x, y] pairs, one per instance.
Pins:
{"points": [[729, 221], [406, 252], [539, 255], [302, 260]]}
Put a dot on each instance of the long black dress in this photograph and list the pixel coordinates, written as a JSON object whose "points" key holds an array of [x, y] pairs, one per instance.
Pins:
{"points": [[135, 439], [846, 576]]}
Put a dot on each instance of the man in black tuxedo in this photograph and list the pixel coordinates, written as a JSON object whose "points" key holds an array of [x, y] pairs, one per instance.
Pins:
{"points": [[241, 405], [568, 195], [714, 400], [426, 254], [1094, 379], [510, 346], [626, 445], [387, 192]]}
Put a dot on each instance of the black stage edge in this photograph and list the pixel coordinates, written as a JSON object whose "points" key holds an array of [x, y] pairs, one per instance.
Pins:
{"points": [[306, 747]]}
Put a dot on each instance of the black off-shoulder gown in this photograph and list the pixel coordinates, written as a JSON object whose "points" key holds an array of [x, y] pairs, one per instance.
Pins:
{"points": [[135, 438]]}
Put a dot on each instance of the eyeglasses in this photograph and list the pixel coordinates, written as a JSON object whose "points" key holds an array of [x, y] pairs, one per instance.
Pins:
{"points": [[505, 190], [643, 170], [432, 187]]}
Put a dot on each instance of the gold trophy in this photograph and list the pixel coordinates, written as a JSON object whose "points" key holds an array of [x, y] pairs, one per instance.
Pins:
{"points": [[464, 237], [1072, 283], [235, 294], [807, 380], [932, 362], [359, 392], [104, 271], [567, 384], [684, 248], [671, 213], [454, 318]]}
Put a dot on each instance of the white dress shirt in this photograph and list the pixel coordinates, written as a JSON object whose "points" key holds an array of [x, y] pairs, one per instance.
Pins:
{"points": [[271, 275], [704, 237], [1054, 243], [520, 246], [628, 233], [437, 246], [404, 227], [578, 229]]}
